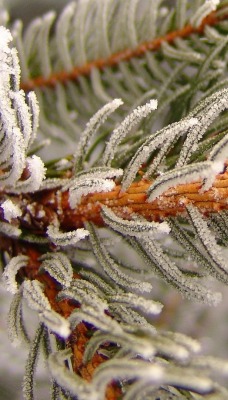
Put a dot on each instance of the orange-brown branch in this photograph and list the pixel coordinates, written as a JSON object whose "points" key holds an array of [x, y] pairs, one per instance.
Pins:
{"points": [[173, 201], [124, 55], [134, 200], [81, 334]]}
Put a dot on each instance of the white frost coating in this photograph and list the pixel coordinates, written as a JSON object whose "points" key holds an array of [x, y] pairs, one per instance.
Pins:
{"points": [[148, 306], [96, 317], [11, 270], [34, 109], [98, 172], [59, 267], [56, 323], [91, 128], [18, 120], [13, 324], [191, 344], [112, 268], [207, 238], [203, 11], [167, 135], [206, 112], [188, 286], [220, 150], [214, 3], [129, 369], [193, 121], [65, 238], [215, 364], [5, 38], [37, 170], [37, 175], [70, 381], [192, 380], [9, 230], [23, 115], [132, 228], [86, 186], [178, 176], [33, 293], [216, 168], [11, 210], [92, 175], [53, 183], [122, 130]]}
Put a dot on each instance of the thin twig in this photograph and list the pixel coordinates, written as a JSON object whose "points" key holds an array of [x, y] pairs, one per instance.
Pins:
{"points": [[124, 55]]}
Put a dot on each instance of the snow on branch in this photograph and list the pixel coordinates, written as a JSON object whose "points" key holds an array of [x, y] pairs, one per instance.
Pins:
{"points": [[182, 175], [85, 186], [10, 210], [19, 122]]}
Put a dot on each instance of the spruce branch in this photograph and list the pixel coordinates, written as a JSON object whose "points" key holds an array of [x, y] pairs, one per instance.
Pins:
{"points": [[125, 55], [159, 192]]}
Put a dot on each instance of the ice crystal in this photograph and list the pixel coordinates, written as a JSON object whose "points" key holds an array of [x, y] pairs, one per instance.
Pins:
{"points": [[121, 131], [84, 186], [9, 274], [58, 266], [182, 175], [65, 238], [132, 228], [11, 210]]}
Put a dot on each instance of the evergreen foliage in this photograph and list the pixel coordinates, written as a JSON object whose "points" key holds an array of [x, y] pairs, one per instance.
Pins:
{"points": [[135, 95]]}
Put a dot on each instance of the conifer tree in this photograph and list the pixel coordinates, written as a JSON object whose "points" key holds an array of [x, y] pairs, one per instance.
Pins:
{"points": [[114, 183]]}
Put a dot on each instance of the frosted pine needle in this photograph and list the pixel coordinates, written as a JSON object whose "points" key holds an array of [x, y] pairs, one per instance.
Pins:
{"points": [[124, 128], [11, 210], [132, 228], [206, 8], [9, 274], [59, 267], [56, 323], [65, 238], [93, 125], [182, 175], [33, 293], [82, 187]]}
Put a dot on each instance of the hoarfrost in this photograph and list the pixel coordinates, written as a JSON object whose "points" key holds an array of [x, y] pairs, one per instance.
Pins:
{"points": [[58, 266], [82, 187], [33, 293], [132, 228], [182, 175], [65, 238], [11, 270], [11, 210], [56, 323], [122, 130]]}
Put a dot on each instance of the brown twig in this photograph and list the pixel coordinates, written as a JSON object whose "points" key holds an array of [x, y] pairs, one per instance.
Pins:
{"points": [[134, 200], [44, 208], [124, 55]]}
